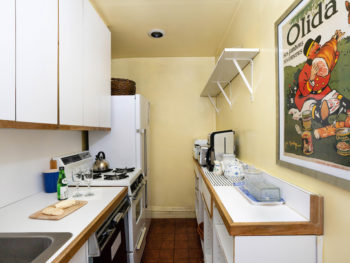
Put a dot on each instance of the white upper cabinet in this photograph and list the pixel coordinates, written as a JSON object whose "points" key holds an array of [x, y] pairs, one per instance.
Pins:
{"points": [[36, 60], [96, 69], [7, 61], [55, 64], [90, 69], [105, 76], [71, 62]]}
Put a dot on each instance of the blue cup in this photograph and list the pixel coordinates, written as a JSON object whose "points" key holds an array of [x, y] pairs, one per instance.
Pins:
{"points": [[50, 180]]}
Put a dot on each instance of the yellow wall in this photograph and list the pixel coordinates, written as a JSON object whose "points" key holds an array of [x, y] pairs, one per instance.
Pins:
{"points": [[178, 116], [255, 123]]}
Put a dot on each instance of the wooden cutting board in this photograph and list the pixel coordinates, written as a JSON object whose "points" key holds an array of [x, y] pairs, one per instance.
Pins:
{"points": [[67, 211]]}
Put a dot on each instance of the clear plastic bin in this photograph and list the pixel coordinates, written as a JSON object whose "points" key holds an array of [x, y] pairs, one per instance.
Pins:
{"points": [[262, 190]]}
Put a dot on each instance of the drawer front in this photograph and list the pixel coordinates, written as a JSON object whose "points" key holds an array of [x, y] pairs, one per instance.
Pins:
{"points": [[207, 199]]}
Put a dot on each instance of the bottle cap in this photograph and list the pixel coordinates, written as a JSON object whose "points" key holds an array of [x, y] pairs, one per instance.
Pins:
{"points": [[61, 168], [53, 164]]}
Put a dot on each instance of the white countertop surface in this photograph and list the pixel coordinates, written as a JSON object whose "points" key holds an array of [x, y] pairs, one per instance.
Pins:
{"points": [[241, 210], [15, 217]]}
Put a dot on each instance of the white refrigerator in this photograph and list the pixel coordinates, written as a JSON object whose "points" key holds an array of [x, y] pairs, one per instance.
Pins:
{"points": [[127, 144]]}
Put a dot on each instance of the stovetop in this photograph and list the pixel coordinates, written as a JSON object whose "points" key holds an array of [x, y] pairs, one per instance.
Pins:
{"points": [[113, 177], [83, 160]]}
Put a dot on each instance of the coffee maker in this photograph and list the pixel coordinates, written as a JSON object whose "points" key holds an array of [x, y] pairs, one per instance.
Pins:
{"points": [[220, 143]]}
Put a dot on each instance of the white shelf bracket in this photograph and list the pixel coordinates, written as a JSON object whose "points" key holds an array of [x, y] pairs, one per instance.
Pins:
{"points": [[249, 86], [224, 93], [213, 103]]}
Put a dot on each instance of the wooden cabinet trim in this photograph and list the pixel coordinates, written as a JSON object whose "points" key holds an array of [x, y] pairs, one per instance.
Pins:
{"points": [[206, 206], [313, 227], [45, 126], [80, 240], [83, 128]]}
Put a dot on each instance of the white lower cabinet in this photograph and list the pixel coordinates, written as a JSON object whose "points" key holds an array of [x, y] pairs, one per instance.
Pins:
{"points": [[222, 241], [81, 256], [208, 238], [248, 249], [198, 200], [275, 249]]}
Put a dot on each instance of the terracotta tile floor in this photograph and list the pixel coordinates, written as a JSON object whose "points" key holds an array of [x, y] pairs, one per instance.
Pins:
{"points": [[173, 240]]}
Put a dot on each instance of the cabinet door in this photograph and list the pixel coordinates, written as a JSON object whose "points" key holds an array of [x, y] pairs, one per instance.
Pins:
{"points": [[71, 62], [91, 53], [97, 69], [36, 60], [105, 75], [7, 61], [82, 255], [275, 249]]}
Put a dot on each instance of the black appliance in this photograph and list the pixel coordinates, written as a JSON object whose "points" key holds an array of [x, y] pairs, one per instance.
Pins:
{"points": [[220, 142], [109, 243]]}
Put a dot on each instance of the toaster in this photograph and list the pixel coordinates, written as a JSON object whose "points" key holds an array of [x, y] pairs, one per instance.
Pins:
{"points": [[197, 147], [203, 156]]}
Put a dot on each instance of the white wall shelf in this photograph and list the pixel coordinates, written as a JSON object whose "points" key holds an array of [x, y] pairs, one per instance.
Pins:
{"points": [[232, 61]]}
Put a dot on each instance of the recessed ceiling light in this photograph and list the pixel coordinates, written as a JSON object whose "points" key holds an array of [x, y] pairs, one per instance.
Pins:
{"points": [[156, 33]]}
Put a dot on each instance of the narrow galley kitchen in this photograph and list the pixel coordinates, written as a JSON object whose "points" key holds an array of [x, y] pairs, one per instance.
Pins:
{"points": [[156, 131]]}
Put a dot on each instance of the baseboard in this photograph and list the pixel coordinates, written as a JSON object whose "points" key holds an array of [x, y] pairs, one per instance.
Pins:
{"points": [[172, 212]]}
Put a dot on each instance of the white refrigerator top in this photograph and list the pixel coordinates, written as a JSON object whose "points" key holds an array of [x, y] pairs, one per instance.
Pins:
{"points": [[127, 144]]}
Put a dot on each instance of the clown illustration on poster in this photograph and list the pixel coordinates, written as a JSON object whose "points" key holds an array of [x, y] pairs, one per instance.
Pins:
{"points": [[313, 42]]}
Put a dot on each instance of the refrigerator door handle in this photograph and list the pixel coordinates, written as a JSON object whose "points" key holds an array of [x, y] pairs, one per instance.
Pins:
{"points": [[144, 132], [145, 151]]}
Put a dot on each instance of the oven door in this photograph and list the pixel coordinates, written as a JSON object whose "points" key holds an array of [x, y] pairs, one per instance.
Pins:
{"points": [[109, 243], [138, 223]]}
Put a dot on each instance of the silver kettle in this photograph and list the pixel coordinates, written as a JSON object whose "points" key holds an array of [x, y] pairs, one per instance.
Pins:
{"points": [[100, 164]]}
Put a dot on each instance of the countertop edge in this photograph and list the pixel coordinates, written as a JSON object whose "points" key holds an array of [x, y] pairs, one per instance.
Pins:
{"points": [[79, 241], [312, 227]]}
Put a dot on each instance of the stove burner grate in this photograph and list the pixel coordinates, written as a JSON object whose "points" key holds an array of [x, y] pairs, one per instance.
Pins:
{"points": [[105, 171], [96, 176], [115, 176], [124, 170]]}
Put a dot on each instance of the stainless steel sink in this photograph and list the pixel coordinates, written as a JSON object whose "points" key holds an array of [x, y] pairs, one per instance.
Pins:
{"points": [[30, 247]]}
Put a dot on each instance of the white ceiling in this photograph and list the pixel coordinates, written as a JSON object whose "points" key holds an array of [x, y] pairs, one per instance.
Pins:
{"points": [[193, 28]]}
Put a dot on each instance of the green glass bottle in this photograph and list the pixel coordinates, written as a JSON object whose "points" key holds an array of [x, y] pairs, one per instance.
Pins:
{"points": [[62, 187]]}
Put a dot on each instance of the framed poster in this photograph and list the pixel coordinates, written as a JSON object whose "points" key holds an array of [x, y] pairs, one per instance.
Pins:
{"points": [[313, 87]]}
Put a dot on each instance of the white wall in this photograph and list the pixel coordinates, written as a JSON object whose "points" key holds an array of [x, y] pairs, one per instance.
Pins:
{"points": [[24, 154]]}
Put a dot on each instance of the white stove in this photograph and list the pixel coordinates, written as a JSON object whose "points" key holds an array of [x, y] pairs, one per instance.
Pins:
{"points": [[112, 177], [136, 183]]}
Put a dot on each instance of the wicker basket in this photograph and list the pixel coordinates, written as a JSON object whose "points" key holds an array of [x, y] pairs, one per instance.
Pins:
{"points": [[123, 87]]}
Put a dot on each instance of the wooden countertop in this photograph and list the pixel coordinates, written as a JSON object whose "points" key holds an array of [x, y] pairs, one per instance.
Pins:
{"points": [[311, 226]]}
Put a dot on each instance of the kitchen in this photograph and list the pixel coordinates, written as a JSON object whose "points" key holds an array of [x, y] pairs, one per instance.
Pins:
{"points": [[172, 81]]}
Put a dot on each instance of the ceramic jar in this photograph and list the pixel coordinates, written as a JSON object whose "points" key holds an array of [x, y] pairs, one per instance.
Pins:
{"points": [[232, 168], [217, 168]]}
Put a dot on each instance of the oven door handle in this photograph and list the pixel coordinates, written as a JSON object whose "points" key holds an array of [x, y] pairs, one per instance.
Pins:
{"points": [[142, 236], [120, 215], [134, 196]]}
